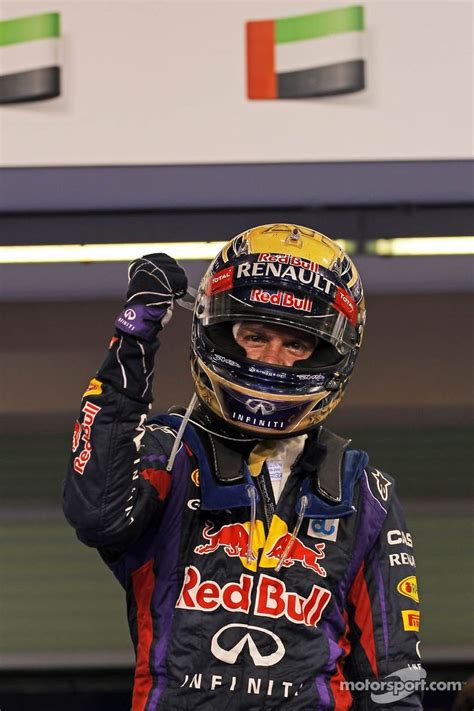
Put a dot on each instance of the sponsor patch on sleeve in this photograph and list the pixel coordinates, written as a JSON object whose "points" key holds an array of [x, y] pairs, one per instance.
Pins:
{"points": [[383, 484], [76, 435], [94, 388], [82, 434], [195, 477], [411, 620], [409, 587]]}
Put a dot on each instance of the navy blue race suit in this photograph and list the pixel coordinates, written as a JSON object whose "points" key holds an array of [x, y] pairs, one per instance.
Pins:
{"points": [[215, 625]]}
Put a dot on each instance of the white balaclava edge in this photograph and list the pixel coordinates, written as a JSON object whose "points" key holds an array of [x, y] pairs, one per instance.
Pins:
{"points": [[235, 329]]}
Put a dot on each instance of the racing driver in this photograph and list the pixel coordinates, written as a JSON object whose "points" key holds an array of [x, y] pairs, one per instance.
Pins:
{"points": [[266, 564]]}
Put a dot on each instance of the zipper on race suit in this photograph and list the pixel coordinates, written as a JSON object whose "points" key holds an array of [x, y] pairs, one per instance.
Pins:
{"points": [[266, 492], [252, 494], [303, 505], [269, 507]]}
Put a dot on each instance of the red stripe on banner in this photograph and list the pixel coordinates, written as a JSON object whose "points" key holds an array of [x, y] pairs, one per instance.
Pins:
{"points": [[342, 697], [159, 479], [261, 77], [359, 598], [143, 583]]}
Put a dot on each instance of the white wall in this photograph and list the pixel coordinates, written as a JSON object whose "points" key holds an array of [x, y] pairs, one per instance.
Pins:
{"points": [[160, 82]]}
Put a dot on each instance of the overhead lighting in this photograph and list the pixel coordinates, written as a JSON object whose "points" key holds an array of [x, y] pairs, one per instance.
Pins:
{"points": [[349, 246], [89, 253], [185, 251], [420, 246]]}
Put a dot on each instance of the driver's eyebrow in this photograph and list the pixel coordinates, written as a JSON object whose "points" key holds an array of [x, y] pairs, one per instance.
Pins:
{"points": [[250, 329], [302, 339]]}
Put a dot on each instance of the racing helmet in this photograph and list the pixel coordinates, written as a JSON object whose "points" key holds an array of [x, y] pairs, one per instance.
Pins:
{"points": [[291, 276]]}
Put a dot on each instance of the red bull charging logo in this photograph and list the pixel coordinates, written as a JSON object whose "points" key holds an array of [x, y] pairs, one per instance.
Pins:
{"points": [[299, 553], [233, 538]]}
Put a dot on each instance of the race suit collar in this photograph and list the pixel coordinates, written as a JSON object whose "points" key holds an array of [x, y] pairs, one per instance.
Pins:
{"points": [[329, 472]]}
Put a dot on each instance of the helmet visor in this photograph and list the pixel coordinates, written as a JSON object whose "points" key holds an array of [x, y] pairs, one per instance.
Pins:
{"points": [[310, 314]]}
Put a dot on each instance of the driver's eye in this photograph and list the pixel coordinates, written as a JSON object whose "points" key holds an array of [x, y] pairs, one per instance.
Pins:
{"points": [[253, 338]]}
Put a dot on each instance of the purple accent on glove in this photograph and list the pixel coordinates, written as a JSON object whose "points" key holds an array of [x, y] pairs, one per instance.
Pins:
{"points": [[141, 321]]}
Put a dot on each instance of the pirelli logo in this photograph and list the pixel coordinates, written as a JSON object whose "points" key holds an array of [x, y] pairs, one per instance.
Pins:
{"points": [[411, 620]]}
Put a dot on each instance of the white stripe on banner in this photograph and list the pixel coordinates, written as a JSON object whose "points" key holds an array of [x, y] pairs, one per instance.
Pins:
{"points": [[25, 56], [292, 56]]}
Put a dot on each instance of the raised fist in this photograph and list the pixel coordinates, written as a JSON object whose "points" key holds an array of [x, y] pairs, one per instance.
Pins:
{"points": [[154, 282]]}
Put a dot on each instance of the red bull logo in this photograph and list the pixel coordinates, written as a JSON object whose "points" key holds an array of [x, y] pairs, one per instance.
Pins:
{"points": [[288, 259], [299, 553], [233, 538], [76, 435], [272, 599], [90, 412], [94, 388], [282, 298]]}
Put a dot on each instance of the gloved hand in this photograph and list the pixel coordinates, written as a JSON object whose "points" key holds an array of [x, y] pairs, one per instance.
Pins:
{"points": [[154, 282]]}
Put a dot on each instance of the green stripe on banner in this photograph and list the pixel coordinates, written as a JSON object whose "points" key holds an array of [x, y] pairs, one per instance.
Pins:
{"points": [[319, 24], [33, 27]]}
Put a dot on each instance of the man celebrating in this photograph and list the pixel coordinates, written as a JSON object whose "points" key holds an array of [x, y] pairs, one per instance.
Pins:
{"points": [[265, 562]]}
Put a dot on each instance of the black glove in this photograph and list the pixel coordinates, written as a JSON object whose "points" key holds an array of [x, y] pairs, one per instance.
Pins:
{"points": [[154, 282]]}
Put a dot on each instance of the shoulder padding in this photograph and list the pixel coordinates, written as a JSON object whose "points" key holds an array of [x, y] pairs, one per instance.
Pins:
{"points": [[162, 434]]}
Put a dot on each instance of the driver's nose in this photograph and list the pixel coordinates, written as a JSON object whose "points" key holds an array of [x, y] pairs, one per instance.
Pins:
{"points": [[273, 352]]}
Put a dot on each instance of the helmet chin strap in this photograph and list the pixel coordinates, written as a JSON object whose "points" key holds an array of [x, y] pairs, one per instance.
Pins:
{"points": [[187, 418], [207, 421]]}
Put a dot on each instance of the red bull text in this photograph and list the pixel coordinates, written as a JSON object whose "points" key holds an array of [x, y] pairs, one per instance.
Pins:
{"points": [[271, 598], [90, 412]]}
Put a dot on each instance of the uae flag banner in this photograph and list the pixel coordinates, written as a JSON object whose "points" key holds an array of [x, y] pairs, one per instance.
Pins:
{"points": [[29, 58], [318, 54]]}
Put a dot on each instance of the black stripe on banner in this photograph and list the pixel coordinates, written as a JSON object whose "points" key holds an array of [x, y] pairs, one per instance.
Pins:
{"points": [[34, 85], [340, 78]]}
